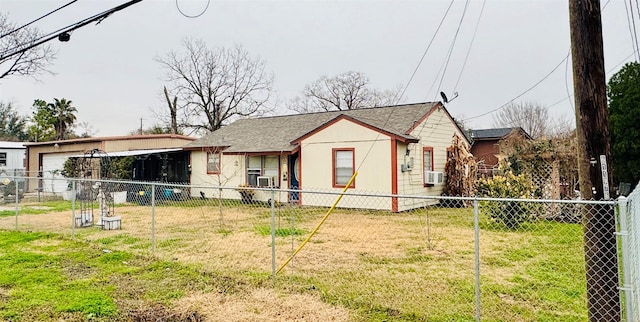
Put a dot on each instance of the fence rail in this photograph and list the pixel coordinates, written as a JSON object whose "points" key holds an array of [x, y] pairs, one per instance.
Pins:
{"points": [[444, 258]]}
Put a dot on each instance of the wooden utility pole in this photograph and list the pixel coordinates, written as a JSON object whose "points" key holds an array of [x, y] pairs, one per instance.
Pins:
{"points": [[594, 155]]}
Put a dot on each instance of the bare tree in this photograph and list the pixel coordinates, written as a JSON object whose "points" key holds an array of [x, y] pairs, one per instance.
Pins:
{"points": [[533, 118], [13, 39], [217, 85], [173, 111], [345, 91], [85, 130]]}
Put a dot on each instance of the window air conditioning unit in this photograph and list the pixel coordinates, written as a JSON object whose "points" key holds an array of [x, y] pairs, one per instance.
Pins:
{"points": [[433, 177], [265, 181]]}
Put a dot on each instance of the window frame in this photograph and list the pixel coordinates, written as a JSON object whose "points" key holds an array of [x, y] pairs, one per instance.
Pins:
{"points": [[218, 156], [424, 170], [334, 172], [3, 157], [251, 170]]}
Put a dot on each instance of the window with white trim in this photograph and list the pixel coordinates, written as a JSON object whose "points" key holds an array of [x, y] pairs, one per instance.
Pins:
{"points": [[427, 163], [343, 167]]}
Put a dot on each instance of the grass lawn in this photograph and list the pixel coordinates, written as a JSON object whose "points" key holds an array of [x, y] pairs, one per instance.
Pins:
{"points": [[47, 277], [361, 266]]}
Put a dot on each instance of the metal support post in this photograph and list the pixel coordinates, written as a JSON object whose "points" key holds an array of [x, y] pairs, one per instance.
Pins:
{"points": [[476, 233]]}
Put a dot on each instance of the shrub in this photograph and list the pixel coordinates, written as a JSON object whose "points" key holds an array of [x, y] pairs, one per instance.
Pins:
{"points": [[510, 213]]}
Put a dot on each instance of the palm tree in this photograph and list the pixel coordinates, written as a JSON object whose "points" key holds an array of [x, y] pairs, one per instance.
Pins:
{"points": [[63, 116]]}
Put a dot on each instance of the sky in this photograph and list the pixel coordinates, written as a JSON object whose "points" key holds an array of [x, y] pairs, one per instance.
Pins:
{"points": [[518, 52]]}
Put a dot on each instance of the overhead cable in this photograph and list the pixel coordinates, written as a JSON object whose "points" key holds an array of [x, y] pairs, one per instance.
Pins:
{"points": [[426, 50], [453, 43], [473, 37], [41, 40], [521, 94], [36, 20]]}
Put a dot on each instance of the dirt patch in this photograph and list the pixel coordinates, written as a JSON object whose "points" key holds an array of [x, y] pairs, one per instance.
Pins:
{"points": [[161, 313], [261, 305]]}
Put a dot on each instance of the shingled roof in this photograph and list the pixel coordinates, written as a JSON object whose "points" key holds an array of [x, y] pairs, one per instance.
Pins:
{"points": [[276, 134], [494, 134]]}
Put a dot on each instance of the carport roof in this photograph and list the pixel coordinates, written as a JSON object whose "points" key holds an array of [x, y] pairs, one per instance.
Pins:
{"points": [[133, 152]]}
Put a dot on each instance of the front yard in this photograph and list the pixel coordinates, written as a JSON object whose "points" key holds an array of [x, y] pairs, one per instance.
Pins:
{"points": [[361, 266]]}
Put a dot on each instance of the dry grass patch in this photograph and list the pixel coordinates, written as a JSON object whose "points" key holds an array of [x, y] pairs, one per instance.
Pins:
{"points": [[261, 305]]}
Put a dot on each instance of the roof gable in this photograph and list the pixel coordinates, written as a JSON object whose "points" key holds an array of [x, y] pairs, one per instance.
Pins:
{"points": [[399, 136]]}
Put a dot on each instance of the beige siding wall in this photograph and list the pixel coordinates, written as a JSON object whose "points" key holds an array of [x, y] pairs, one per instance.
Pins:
{"points": [[436, 131], [34, 152], [374, 172], [233, 174]]}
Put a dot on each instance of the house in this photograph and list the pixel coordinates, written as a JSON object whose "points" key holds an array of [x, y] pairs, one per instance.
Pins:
{"points": [[396, 150], [159, 157], [486, 146], [12, 156]]}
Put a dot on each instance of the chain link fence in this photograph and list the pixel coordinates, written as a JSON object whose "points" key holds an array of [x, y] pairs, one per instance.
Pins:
{"points": [[442, 258], [629, 237]]}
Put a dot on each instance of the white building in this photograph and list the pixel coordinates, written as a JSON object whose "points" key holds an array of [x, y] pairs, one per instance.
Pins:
{"points": [[12, 155]]}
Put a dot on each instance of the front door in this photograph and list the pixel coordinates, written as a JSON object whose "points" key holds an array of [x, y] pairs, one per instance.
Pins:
{"points": [[294, 177]]}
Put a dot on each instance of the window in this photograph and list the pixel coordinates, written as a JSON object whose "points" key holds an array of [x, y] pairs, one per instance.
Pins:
{"points": [[266, 165], [213, 162], [427, 163], [343, 165], [3, 159]]}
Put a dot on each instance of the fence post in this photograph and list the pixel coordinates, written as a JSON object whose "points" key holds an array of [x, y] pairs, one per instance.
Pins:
{"points": [[153, 219], [273, 232], [476, 242], [15, 180], [73, 209], [627, 278]]}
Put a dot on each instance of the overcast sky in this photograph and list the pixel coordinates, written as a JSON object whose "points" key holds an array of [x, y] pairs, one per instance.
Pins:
{"points": [[108, 70]]}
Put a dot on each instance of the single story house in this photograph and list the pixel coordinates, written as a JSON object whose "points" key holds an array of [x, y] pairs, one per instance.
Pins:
{"points": [[395, 149], [159, 157], [486, 147]]}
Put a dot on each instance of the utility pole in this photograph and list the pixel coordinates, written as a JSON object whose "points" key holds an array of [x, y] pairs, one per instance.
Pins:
{"points": [[594, 155]]}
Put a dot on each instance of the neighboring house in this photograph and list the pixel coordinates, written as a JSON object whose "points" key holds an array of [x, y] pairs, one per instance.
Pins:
{"points": [[159, 157], [396, 150], [12, 155], [486, 147]]}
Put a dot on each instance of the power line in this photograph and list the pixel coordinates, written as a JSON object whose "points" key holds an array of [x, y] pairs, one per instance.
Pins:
{"points": [[473, 37], [453, 43], [631, 22], [521, 94], [569, 95], [427, 49], [544, 78], [18, 49], [622, 61], [566, 80], [634, 29], [36, 20]]}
